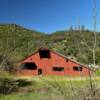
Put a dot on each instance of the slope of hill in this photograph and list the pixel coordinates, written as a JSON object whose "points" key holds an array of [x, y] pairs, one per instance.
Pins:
{"points": [[19, 42], [14, 37]]}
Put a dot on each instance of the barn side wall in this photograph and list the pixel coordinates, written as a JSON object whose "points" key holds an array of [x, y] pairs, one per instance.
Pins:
{"points": [[55, 61]]}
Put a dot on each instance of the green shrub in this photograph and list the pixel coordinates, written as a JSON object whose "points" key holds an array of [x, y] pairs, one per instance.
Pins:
{"points": [[23, 83], [9, 85], [6, 64]]}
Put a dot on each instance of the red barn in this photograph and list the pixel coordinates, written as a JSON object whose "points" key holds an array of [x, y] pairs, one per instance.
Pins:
{"points": [[48, 62]]}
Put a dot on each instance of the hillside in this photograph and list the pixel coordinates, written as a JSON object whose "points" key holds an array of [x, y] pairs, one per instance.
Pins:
{"points": [[14, 37], [18, 42]]}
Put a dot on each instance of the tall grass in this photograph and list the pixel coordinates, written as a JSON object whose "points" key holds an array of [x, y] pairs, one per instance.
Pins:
{"points": [[55, 88]]}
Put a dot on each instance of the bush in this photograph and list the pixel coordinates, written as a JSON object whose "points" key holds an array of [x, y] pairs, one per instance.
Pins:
{"points": [[9, 85], [6, 64], [23, 83]]}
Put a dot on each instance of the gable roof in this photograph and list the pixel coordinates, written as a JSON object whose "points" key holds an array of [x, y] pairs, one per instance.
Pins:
{"points": [[59, 54], [84, 65]]}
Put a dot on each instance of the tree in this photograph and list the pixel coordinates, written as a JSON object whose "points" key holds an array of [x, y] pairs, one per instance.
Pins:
{"points": [[71, 28], [82, 27], [95, 37]]}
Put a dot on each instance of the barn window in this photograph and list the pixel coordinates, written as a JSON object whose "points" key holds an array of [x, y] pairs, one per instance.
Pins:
{"points": [[44, 53], [58, 68], [77, 68], [29, 66]]}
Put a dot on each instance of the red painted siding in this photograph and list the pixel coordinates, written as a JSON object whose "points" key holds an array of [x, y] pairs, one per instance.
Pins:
{"points": [[55, 61]]}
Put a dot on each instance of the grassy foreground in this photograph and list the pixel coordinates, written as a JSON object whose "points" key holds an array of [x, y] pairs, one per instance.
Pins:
{"points": [[56, 88]]}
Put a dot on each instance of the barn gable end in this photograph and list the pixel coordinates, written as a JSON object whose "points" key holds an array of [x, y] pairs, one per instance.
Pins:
{"points": [[48, 62]]}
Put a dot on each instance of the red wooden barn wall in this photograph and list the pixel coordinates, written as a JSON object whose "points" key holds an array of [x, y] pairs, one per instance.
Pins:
{"points": [[47, 65]]}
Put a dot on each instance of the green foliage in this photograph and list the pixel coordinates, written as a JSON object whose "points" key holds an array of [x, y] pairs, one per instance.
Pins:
{"points": [[10, 85], [18, 42], [98, 72], [23, 83], [54, 88], [6, 63], [14, 38], [7, 86]]}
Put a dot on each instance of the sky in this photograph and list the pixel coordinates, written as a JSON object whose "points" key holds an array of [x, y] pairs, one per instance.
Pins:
{"points": [[49, 15]]}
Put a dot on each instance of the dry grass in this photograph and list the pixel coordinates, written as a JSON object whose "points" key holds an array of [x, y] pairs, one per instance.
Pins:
{"points": [[57, 88]]}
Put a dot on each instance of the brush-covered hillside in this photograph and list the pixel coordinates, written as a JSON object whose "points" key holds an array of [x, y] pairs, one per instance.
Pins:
{"points": [[17, 42]]}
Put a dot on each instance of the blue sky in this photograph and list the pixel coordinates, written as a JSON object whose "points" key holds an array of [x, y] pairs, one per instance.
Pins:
{"points": [[49, 15]]}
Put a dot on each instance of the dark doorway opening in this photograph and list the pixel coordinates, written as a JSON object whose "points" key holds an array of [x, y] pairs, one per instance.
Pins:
{"points": [[29, 66], [39, 71], [44, 53]]}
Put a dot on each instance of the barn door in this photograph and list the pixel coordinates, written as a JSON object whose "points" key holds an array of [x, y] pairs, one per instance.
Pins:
{"points": [[39, 71]]}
